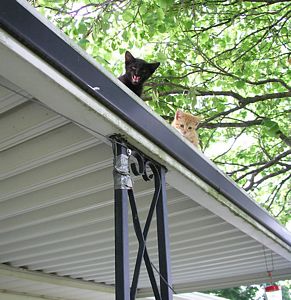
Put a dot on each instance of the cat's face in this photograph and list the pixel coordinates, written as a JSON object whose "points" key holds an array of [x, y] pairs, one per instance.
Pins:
{"points": [[185, 123], [138, 70]]}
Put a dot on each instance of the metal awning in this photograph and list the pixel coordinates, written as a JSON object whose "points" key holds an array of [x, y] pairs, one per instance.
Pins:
{"points": [[56, 200]]}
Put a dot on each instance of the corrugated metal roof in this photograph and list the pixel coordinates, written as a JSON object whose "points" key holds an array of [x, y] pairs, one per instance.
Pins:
{"points": [[49, 47], [56, 212]]}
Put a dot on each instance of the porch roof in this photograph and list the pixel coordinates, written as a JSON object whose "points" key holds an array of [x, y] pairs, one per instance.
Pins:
{"points": [[58, 108]]}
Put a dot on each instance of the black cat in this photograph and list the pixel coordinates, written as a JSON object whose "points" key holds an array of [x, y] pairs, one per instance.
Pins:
{"points": [[137, 71]]}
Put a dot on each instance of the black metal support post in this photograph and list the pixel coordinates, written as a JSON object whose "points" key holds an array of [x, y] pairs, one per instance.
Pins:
{"points": [[122, 183], [124, 192], [163, 241]]}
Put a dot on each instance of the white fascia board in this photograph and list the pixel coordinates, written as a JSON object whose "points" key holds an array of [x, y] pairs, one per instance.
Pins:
{"points": [[54, 90]]}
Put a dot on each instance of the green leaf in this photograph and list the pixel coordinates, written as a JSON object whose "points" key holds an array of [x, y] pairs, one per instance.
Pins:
{"points": [[204, 37], [161, 57], [82, 28], [125, 35], [127, 16], [155, 96], [162, 28], [143, 9], [172, 108], [160, 14], [165, 3], [284, 30], [240, 84], [188, 25], [271, 127], [222, 43], [105, 26], [192, 96], [83, 43], [220, 106], [149, 20]]}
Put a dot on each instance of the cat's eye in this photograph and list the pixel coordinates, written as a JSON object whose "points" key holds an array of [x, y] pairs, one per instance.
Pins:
{"points": [[189, 127], [182, 125], [133, 68]]}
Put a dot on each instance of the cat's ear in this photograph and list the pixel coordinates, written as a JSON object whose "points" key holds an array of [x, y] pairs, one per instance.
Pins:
{"points": [[153, 66], [128, 57], [179, 114]]}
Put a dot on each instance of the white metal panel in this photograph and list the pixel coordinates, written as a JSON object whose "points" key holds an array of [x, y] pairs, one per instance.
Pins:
{"points": [[44, 149], [19, 126]]}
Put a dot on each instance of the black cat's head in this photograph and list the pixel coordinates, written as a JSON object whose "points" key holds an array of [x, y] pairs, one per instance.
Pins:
{"points": [[138, 70]]}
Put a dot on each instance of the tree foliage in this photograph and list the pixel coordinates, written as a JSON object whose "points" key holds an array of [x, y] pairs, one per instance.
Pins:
{"points": [[237, 293], [225, 60], [286, 290]]}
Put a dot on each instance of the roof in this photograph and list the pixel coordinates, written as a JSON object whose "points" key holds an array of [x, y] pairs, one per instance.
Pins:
{"points": [[48, 45], [56, 202]]}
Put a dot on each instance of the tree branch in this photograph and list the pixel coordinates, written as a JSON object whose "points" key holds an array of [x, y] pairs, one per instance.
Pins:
{"points": [[285, 139], [272, 96], [268, 164], [228, 125], [276, 191], [242, 100], [257, 183]]}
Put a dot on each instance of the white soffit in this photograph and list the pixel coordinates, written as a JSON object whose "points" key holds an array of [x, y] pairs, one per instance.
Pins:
{"points": [[56, 201]]}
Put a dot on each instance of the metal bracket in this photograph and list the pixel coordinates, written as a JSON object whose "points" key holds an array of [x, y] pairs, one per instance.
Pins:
{"points": [[121, 175]]}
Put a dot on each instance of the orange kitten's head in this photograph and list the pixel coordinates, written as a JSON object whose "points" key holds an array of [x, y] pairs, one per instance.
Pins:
{"points": [[185, 123]]}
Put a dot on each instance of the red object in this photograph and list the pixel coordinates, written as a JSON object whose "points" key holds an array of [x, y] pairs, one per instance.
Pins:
{"points": [[272, 288]]}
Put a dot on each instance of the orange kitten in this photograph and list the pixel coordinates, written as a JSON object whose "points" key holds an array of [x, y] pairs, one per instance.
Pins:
{"points": [[186, 124]]}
